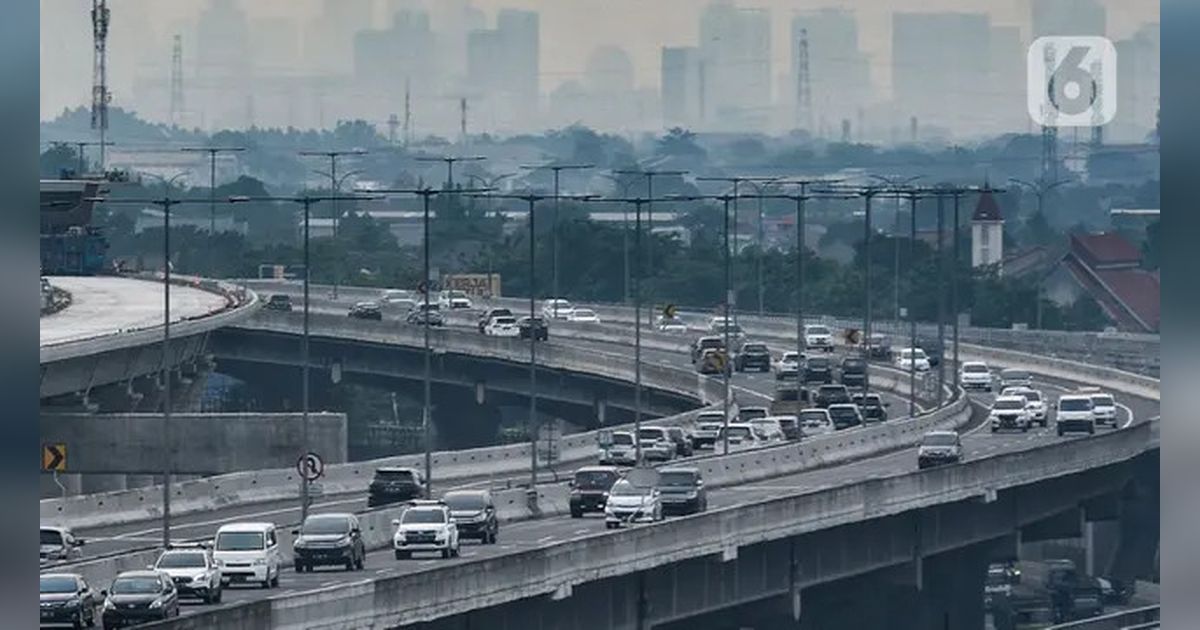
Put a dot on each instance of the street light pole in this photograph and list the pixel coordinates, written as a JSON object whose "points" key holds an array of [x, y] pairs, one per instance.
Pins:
{"points": [[558, 169], [533, 426], [333, 192], [449, 160], [650, 174], [212, 196], [728, 290], [912, 320]]}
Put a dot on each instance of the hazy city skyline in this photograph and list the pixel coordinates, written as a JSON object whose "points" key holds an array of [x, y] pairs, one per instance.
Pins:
{"points": [[568, 36]]}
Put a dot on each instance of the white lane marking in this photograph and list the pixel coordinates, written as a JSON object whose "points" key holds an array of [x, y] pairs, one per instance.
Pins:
{"points": [[1128, 415], [546, 539], [580, 531]]}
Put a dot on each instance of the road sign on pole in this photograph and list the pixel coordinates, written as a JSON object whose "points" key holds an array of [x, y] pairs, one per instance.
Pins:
{"points": [[54, 457], [310, 466], [670, 310]]}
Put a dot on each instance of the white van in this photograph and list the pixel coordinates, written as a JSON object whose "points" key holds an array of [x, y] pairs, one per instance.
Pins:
{"points": [[248, 552]]}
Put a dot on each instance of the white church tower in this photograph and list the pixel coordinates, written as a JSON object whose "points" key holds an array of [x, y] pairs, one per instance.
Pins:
{"points": [[987, 232]]}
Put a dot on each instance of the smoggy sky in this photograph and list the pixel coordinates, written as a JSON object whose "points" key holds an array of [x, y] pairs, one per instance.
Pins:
{"points": [[570, 31]]}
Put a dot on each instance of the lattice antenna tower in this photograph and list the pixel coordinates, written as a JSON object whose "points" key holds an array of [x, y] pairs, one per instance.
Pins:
{"points": [[803, 85], [100, 93], [177, 80]]}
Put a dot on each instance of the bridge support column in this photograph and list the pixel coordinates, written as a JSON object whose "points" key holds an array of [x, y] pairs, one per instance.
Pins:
{"points": [[951, 596], [601, 406], [881, 599]]}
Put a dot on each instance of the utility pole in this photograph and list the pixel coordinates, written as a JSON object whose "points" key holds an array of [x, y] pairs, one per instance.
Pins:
{"points": [[176, 113], [333, 191], [212, 196], [100, 94], [558, 169], [450, 160], [407, 113]]}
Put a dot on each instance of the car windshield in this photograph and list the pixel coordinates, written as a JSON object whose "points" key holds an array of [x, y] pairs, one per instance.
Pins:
{"points": [[711, 342], [280, 298], [497, 312], [624, 439], [506, 321], [652, 434], [181, 560], [51, 537], [135, 585], [239, 541], [940, 439], [789, 356], [918, 354], [751, 413], [975, 368], [813, 417], [757, 348], [738, 432], [997, 577], [1075, 404], [853, 364], [677, 478], [729, 326], [57, 584], [1031, 396], [1009, 404], [583, 312], [462, 501], [394, 475], [1014, 375], [457, 294], [595, 479], [818, 363], [623, 488], [872, 400], [421, 516], [323, 525], [1103, 400], [839, 411], [818, 330], [830, 390]]}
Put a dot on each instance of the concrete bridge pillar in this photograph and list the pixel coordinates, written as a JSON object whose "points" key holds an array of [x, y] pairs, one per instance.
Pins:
{"points": [[951, 594]]}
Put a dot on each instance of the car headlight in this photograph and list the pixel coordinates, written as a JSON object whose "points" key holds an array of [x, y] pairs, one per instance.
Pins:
{"points": [[108, 605], [74, 602], [200, 579], [258, 562], [156, 604], [299, 543]]}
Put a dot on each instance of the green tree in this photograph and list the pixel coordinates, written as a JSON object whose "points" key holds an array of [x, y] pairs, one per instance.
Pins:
{"points": [[1152, 246], [58, 159]]}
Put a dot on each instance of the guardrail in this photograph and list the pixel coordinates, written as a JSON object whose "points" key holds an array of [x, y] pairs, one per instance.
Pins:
{"points": [[428, 594], [1139, 618], [240, 303]]}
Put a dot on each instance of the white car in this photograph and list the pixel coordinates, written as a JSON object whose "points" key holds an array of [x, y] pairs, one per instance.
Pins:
{"points": [[248, 552], [629, 503], [708, 425], [454, 300], [1034, 403], [912, 358], [193, 570], [671, 324], [425, 526], [788, 365], [770, 428], [742, 436], [557, 308], [503, 326], [656, 444], [939, 447], [392, 296], [819, 337], [1009, 412], [1074, 413], [975, 375], [718, 323], [584, 315], [621, 451], [1015, 378], [1104, 408], [815, 422]]}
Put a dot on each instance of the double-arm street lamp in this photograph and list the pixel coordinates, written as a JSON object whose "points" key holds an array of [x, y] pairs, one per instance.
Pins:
{"points": [[735, 181], [212, 195], [557, 169], [334, 183], [450, 161], [649, 174], [896, 182]]}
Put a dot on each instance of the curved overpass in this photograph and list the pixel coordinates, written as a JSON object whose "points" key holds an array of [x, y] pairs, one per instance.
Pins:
{"points": [[557, 531]]}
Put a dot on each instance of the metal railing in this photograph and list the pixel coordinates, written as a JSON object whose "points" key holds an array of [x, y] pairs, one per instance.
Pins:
{"points": [[1137, 619]]}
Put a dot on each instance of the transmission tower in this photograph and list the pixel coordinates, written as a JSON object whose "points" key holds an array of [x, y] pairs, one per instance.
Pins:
{"points": [[462, 122], [177, 81], [803, 87], [100, 93], [407, 113]]}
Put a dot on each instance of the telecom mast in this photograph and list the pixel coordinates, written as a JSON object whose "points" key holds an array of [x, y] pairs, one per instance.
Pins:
{"points": [[100, 93]]}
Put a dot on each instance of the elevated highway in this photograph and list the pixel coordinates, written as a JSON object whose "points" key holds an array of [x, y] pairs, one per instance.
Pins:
{"points": [[552, 532]]}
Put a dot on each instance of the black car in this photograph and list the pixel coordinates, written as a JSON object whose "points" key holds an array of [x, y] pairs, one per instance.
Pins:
{"points": [[845, 416], [831, 395], [329, 540], [490, 313], [475, 513], [880, 347], [683, 443], [279, 302], [933, 350], [536, 327], [66, 598], [137, 597], [589, 489], [872, 407], [395, 485], [753, 356], [854, 372], [818, 370], [419, 315], [366, 310], [682, 490], [746, 414]]}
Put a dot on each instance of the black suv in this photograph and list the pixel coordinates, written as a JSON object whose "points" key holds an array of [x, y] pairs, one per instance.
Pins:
{"points": [[753, 355], [818, 370], [536, 327], [395, 485], [329, 539], [589, 489], [475, 513], [683, 442], [279, 302], [490, 313], [831, 395], [854, 372], [872, 407], [366, 310]]}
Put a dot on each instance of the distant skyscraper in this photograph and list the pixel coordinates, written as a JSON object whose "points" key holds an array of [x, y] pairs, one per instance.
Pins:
{"points": [[839, 73], [609, 69], [1068, 17], [275, 46], [735, 46], [1137, 85], [521, 48], [503, 67], [329, 38], [387, 58], [681, 86], [223, 42], [940, 68], [1006, 88]]}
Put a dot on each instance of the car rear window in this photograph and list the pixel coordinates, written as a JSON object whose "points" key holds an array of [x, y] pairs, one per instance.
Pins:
{"points": [[51, 537], [1103, 400], [622, 438], [818, 362], [677, 478], [1009, 404], [758, 348], [1075, 404], [394, 475], [595, 479], [940, 439], [976, 368]]}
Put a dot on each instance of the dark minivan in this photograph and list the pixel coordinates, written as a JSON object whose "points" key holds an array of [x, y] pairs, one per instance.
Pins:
{"points": [[329, 540], [394, 484], [831, 395], [854, 372], [818, 370], [589, 489]]}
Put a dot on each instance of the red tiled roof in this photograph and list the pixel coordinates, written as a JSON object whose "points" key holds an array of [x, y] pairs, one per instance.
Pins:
{"points": [[986, 209], [1104, 249], [1107, 301], [1137, 289]]}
